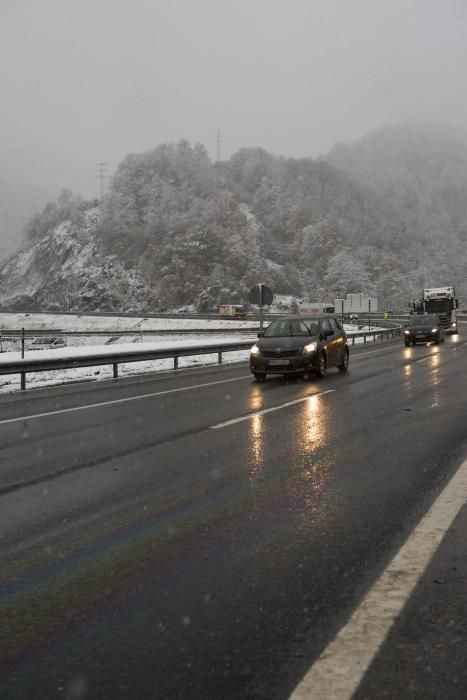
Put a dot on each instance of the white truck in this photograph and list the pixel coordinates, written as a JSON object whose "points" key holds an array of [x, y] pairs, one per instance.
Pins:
{"points": [[441, 301], [311, 308], [355, 304]]}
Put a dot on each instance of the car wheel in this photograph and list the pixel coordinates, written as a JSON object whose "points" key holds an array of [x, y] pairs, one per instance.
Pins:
{"points": [[344, 365], [260, 376], [322, 365]]}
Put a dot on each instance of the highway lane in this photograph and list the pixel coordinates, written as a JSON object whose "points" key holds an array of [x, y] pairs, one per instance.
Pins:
{"points": [[121, 418], [146, 553], [427, 645]]}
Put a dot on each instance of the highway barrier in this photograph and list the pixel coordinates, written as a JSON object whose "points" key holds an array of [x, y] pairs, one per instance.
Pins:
{"points": [[114, 357]]}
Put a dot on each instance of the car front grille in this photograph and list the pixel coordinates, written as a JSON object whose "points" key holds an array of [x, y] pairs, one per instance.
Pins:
{"points": [[283, 353]]}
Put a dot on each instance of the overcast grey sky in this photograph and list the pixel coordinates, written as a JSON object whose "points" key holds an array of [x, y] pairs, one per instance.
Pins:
{"points": [[92, 80]]}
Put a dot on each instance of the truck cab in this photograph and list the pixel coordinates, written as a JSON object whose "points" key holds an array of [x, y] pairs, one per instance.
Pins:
{"points": [[443, 302]]}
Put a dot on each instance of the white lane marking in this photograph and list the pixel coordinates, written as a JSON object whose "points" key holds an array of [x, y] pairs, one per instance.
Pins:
{"points": [[340, 668], [370, 352], [117, 401], [268, 410], [427, 357]]}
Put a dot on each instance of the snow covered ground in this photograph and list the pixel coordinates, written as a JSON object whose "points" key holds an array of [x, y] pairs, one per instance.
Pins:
{"points": [[80, 345], [81, 322]]}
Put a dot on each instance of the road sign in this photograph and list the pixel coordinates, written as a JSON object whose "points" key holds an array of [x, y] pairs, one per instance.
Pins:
{"points": [[260, 295]]}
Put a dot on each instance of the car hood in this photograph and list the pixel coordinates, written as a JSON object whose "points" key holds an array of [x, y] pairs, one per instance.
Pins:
{"points": [[295, 342], [421, 327]]}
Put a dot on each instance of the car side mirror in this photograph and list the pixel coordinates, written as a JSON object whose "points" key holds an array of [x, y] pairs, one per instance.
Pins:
{"points": [[328, 332], [260, 334]]}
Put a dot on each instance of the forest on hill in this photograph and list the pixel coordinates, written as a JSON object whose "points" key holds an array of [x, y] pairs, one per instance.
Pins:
{"points": [[386, 216]]}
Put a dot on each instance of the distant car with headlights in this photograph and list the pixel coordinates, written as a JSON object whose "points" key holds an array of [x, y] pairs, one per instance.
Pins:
{"points": [[424, 328], [48, 343], [292, 344]]}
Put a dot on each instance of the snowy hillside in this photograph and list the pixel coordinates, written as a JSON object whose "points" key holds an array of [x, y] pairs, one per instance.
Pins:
{"points": [[65, 270], [176, 230]]}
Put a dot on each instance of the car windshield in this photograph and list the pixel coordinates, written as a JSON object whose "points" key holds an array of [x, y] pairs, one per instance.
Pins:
{"points": [[423, 320], [283, 328]]}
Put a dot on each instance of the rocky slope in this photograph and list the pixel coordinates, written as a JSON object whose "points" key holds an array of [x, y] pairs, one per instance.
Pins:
{"points": [[65, 270]]}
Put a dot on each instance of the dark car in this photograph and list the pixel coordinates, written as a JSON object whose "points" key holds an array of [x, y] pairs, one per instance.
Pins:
{"points": [[424, 328], [293, 344]]}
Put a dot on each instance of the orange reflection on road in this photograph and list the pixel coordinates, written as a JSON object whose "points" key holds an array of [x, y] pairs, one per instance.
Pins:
{"points": [[316, 461], [256, 400], [435, 378], [408, 353], [409, 384], [408, 370], [256, 433], [314, 424], [256, 446]]}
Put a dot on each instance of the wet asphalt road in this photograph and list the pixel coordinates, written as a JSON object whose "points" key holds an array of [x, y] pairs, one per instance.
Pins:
{"points": [[145, 553]]}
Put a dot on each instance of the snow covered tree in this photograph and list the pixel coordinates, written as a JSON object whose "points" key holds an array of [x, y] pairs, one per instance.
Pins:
{"points": [[346, 274]]}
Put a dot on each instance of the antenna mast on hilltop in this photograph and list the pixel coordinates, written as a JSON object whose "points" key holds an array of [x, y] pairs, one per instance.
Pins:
{"points": [[218, 137], [101, 176]]}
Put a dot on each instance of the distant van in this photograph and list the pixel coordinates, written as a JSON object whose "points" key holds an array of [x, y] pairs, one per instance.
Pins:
{"points": [[232, 310], [48, 343], [315, 308]]}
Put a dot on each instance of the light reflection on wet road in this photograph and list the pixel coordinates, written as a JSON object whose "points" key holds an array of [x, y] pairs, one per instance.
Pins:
{"points": [[215, 564]]}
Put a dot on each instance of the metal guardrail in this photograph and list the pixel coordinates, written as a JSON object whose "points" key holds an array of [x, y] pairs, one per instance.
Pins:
{"points": [[386, 333], [28, 365], [17, 333], [38, 364], [13, 333]]}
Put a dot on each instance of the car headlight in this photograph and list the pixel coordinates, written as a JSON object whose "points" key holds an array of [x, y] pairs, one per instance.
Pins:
{"points": [[407, 332], [311, 347], [255, 350], [434, 330]]}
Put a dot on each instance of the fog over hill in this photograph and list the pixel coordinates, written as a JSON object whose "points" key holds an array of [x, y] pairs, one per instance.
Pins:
{"points": [[175, 229], [20, 199]]}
